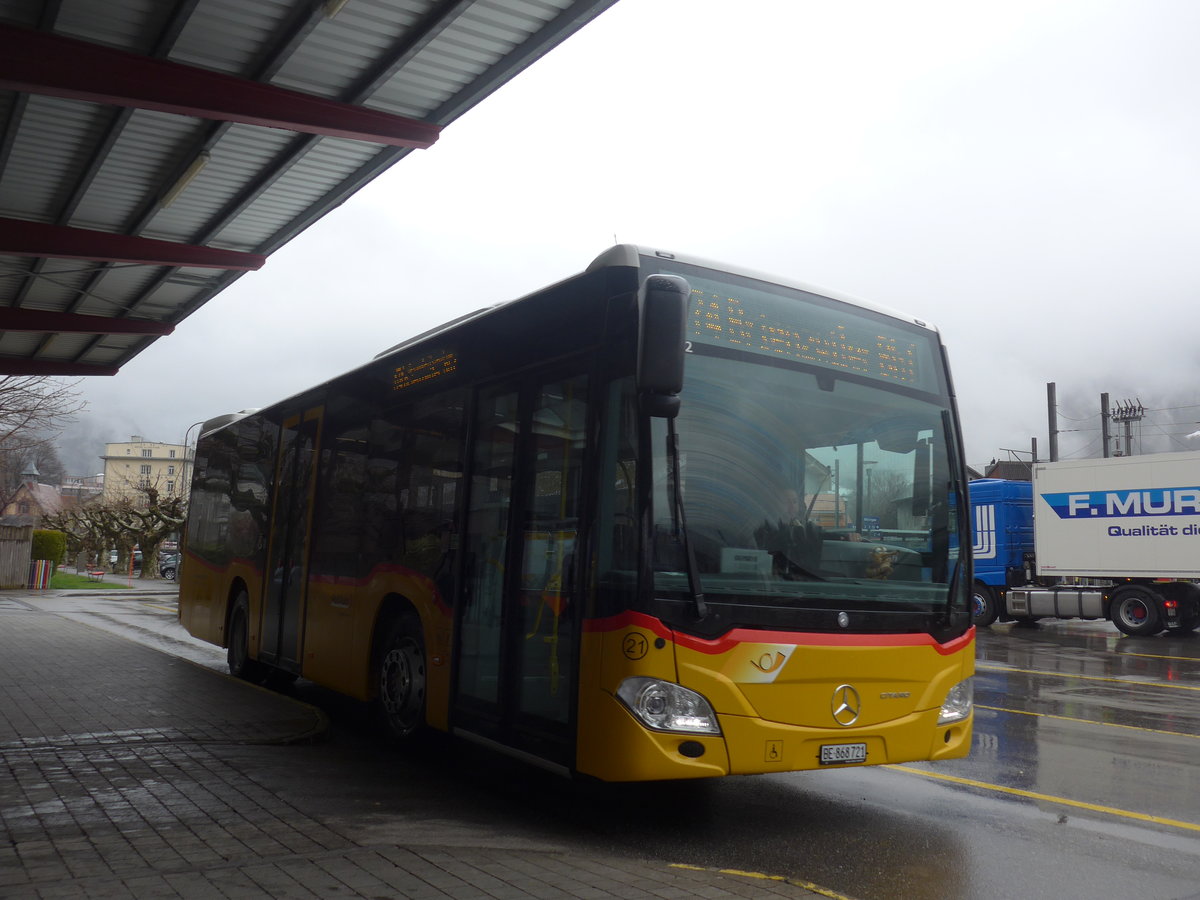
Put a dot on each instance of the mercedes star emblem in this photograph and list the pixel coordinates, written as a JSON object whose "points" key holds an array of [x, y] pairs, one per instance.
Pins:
{"points": [[846, 705]]}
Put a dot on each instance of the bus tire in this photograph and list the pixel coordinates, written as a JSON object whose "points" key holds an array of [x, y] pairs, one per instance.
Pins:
{"points": [[238, 656], [400, 680], [983, 605], [1134, 610]]}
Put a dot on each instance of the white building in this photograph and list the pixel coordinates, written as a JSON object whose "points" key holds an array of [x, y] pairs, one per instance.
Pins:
{"points": [[136, 464]]}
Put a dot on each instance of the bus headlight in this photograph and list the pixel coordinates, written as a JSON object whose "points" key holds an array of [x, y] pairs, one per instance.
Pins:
{"points": [[666, 706], [958, 703]]}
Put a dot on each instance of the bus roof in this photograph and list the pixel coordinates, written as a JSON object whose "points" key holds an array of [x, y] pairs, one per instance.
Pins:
{"points": [[622, 252], [619, 255]]}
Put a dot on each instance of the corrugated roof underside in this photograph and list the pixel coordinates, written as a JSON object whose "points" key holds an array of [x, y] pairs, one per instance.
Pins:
{"points": [[150, 147], [54, 142], [106, 168]]}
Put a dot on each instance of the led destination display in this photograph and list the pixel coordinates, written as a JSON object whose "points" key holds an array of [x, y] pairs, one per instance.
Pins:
{"points": [[423, 370], [791, 328]]}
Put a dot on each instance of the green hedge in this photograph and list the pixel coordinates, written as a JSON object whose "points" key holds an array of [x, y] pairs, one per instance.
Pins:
{"points": [[51, 545]]}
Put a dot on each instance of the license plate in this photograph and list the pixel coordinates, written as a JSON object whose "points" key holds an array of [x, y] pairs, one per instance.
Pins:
{"points": [[839, 754]]}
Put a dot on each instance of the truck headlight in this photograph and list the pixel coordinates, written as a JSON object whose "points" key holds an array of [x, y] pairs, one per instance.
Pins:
{"points": [[958, 703], [666, 706]]}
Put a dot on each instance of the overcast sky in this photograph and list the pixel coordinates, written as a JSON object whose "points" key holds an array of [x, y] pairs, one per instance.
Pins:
{"points": [[1025, 175]]}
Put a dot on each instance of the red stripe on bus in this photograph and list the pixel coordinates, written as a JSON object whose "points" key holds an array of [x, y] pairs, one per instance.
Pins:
{"points": [[731, 639], [349, 582]]}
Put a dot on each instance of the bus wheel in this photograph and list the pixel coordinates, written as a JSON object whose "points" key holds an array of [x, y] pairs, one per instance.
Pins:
{"points": [[400, 680], [1134, 611], [983, 605], [238, 657]]}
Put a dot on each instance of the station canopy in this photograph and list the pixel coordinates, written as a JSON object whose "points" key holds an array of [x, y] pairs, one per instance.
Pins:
{"points": [[152, 151]]}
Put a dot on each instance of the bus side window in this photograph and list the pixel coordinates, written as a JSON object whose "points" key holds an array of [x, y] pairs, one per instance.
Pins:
{"points": [[339, 518], [617, 519], [413, 486], [208, 534], [429, 478]]}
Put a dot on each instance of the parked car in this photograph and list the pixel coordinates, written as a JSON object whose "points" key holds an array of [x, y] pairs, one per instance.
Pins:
{"points": [[168, 565], [114, 555]]}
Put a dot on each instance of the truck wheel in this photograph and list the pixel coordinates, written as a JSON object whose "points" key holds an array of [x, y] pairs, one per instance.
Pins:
{"points": [[983, 605], [1134, 611]]}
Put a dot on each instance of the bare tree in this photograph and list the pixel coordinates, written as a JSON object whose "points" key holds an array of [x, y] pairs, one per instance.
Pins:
{"points": [[122, 524], [153, 522], [88, 529], [880, 498], [32, 409]]}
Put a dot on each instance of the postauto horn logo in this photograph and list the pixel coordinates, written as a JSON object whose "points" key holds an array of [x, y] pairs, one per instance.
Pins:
{"points": [[1179, 501]]}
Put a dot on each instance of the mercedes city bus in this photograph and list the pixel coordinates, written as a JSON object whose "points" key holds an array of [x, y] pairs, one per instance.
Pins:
{"points": [[660, 520]]}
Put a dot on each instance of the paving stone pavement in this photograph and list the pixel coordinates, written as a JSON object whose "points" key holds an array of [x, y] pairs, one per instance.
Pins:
{"points": [[114, 784]]}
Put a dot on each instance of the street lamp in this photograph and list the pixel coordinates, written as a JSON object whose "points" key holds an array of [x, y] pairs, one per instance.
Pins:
{"points": [[868, 468]]}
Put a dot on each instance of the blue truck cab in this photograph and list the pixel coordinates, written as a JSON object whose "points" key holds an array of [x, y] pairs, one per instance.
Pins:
{"points": [[1006, 586], [1002, 542]]}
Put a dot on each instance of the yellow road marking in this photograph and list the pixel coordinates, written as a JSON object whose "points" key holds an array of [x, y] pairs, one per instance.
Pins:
{"points": [[1022, 712], [1048, 674], [1158, 656], [807, 885], [1049, 798]]}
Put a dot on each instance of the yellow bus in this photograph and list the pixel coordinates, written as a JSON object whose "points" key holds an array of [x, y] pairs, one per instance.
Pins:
{"points": [[659, 520]]}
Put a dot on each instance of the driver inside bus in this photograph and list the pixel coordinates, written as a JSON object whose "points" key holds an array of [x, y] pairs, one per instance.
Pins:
{"points": [[793, 539]]}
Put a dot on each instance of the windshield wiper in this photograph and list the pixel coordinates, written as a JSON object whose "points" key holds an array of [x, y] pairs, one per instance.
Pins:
{"points": [[679, 522]]}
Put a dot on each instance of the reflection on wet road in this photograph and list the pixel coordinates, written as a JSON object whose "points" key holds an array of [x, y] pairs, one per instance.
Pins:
{"points": [[1083, 782], [1078, 712], [1099, 733]]}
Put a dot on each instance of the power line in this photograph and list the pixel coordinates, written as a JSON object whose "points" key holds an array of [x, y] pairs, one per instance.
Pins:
{"points": [[1085, 452], [1170, 408], [1074, 418]]}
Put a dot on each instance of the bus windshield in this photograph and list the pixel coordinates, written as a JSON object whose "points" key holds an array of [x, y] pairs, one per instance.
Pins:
{"points": [[807, 483]]}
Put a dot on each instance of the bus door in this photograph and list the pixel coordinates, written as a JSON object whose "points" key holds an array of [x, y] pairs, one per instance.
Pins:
{"points": [[291, 525], [518, 644]]}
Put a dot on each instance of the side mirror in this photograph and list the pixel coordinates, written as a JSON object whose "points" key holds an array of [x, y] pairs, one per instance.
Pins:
{"points": [[662, 315]]}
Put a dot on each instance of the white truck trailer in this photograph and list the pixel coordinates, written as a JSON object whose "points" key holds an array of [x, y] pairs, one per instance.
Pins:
{"points": [[1112, 539]]}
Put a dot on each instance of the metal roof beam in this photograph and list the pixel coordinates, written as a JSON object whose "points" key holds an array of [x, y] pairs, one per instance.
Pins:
{"points": [[72, 323], [22, 238], [41, 63], [13, 366]]}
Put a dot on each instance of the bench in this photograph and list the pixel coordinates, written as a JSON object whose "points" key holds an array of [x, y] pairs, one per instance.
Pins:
{"points": [[95, 574]]}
